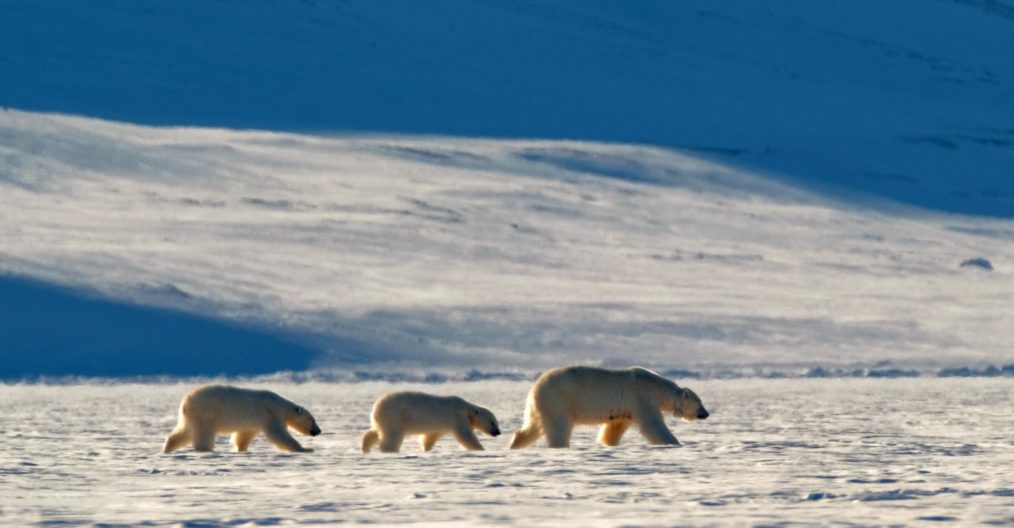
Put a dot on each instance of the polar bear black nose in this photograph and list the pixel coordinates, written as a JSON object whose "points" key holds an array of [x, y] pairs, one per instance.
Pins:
{"points": [[495, 431], [315, 431], [703, 414]]}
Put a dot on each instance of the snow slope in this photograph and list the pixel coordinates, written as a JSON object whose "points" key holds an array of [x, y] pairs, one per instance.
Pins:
{"points": [[470, 253], [907, 99]]}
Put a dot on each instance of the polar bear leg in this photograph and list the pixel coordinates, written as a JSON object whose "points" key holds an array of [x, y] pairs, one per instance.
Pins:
{"points": [[241, 440], [177, 439], [466, 437], [203, 438], [281, 439], [370, 439], [390, 440], [653, 427], [557, 431], [526, 436], [612, 432], [427, 441]]}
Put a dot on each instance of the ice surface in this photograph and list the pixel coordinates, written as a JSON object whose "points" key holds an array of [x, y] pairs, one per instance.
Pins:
{"points": [[467, 253], [857, 452]]}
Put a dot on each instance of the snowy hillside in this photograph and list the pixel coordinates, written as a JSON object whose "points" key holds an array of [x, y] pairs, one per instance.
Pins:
{"points": [[908, 99], [446, 252]]}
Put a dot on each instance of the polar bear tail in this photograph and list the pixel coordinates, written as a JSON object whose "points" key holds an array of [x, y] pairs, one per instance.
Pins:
{"points": [[532, 429], [370, 439]]}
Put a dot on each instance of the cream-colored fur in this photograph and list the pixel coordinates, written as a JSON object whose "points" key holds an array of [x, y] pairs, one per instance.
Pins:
{"points": [[615, 399], [398, 414], [218, 409]]}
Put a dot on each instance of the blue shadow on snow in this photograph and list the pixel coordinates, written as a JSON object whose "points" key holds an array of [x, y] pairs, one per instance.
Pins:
{"points": [[49, 331]]}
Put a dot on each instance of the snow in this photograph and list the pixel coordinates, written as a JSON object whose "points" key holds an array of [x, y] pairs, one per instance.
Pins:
{"points": [[481, 253], [486, 253], [338, 199], [907, 100], [866, 452]]}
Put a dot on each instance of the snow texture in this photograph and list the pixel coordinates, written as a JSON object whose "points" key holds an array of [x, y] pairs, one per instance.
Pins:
{"points": [[338, 251], [814, 452]]}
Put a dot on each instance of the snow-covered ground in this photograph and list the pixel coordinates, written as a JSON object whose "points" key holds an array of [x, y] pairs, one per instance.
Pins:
{"points": [[906, 99], [470, 253], [774, 452]]}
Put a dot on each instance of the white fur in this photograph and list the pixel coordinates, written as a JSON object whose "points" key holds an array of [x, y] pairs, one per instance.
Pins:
{"points": [[398, 414], [616, 399], [217, 409]]}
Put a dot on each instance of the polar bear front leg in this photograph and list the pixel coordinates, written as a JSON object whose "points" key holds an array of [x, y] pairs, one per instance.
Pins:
{"points": [[652, 426], [241, 440], [466, 437], [281, 439], [612, 432], [427, 441]]}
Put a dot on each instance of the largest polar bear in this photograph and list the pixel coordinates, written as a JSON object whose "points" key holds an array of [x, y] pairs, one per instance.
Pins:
{"points": [[564, 397], [219, 409]]}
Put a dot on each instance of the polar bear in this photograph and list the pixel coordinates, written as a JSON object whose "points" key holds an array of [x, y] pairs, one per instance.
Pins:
{"points": [[565, 397], [218, 409], [405, 413]]}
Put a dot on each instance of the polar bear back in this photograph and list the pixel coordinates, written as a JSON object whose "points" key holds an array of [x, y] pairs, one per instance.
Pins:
{"points": [[419, 413], [590, 395], [233, 408]]}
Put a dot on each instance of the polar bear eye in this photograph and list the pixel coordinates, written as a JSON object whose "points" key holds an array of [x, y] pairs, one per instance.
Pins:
{"points": [[299, 410]]}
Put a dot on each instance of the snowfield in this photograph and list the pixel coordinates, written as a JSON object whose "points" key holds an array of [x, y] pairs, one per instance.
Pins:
{"points": [[368, 251], [828, 452]]}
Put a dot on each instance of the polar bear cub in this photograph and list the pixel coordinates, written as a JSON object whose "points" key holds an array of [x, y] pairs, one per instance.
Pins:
{"points": [[415, 413], [615, 399], [218, 409]]}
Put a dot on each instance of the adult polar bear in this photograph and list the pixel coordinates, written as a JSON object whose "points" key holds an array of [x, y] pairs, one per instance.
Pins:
{"points": [[564, 397], [216, 409], [403, 413]]}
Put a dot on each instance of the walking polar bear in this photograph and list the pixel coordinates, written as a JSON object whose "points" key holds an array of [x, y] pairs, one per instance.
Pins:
{"points": [[218, 409], [565, 397], [415, 413]]}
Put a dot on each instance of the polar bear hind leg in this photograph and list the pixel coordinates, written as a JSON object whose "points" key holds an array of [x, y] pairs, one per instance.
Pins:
{"points": [[558, 431], [391, 439], [370, 440], [612, 432], [177, 439], [241, 440], [427, 441], [530, 431], [526, 436], [203, 438]]}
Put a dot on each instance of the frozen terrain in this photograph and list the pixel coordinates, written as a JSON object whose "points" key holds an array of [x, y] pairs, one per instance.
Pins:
{"points": [[907, 99], [774, 452], [339, 251]]}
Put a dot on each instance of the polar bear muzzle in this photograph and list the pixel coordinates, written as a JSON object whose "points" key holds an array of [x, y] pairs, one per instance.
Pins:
{"points": [[689, 406]]}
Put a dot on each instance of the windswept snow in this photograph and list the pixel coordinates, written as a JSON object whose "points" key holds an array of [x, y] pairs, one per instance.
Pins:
{"points": [[443, 251], [774, 452]]}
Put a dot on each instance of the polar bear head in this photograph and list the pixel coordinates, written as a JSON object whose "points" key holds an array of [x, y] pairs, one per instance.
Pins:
{"points": [[301, 420], [689, 406], [482, 419]]}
